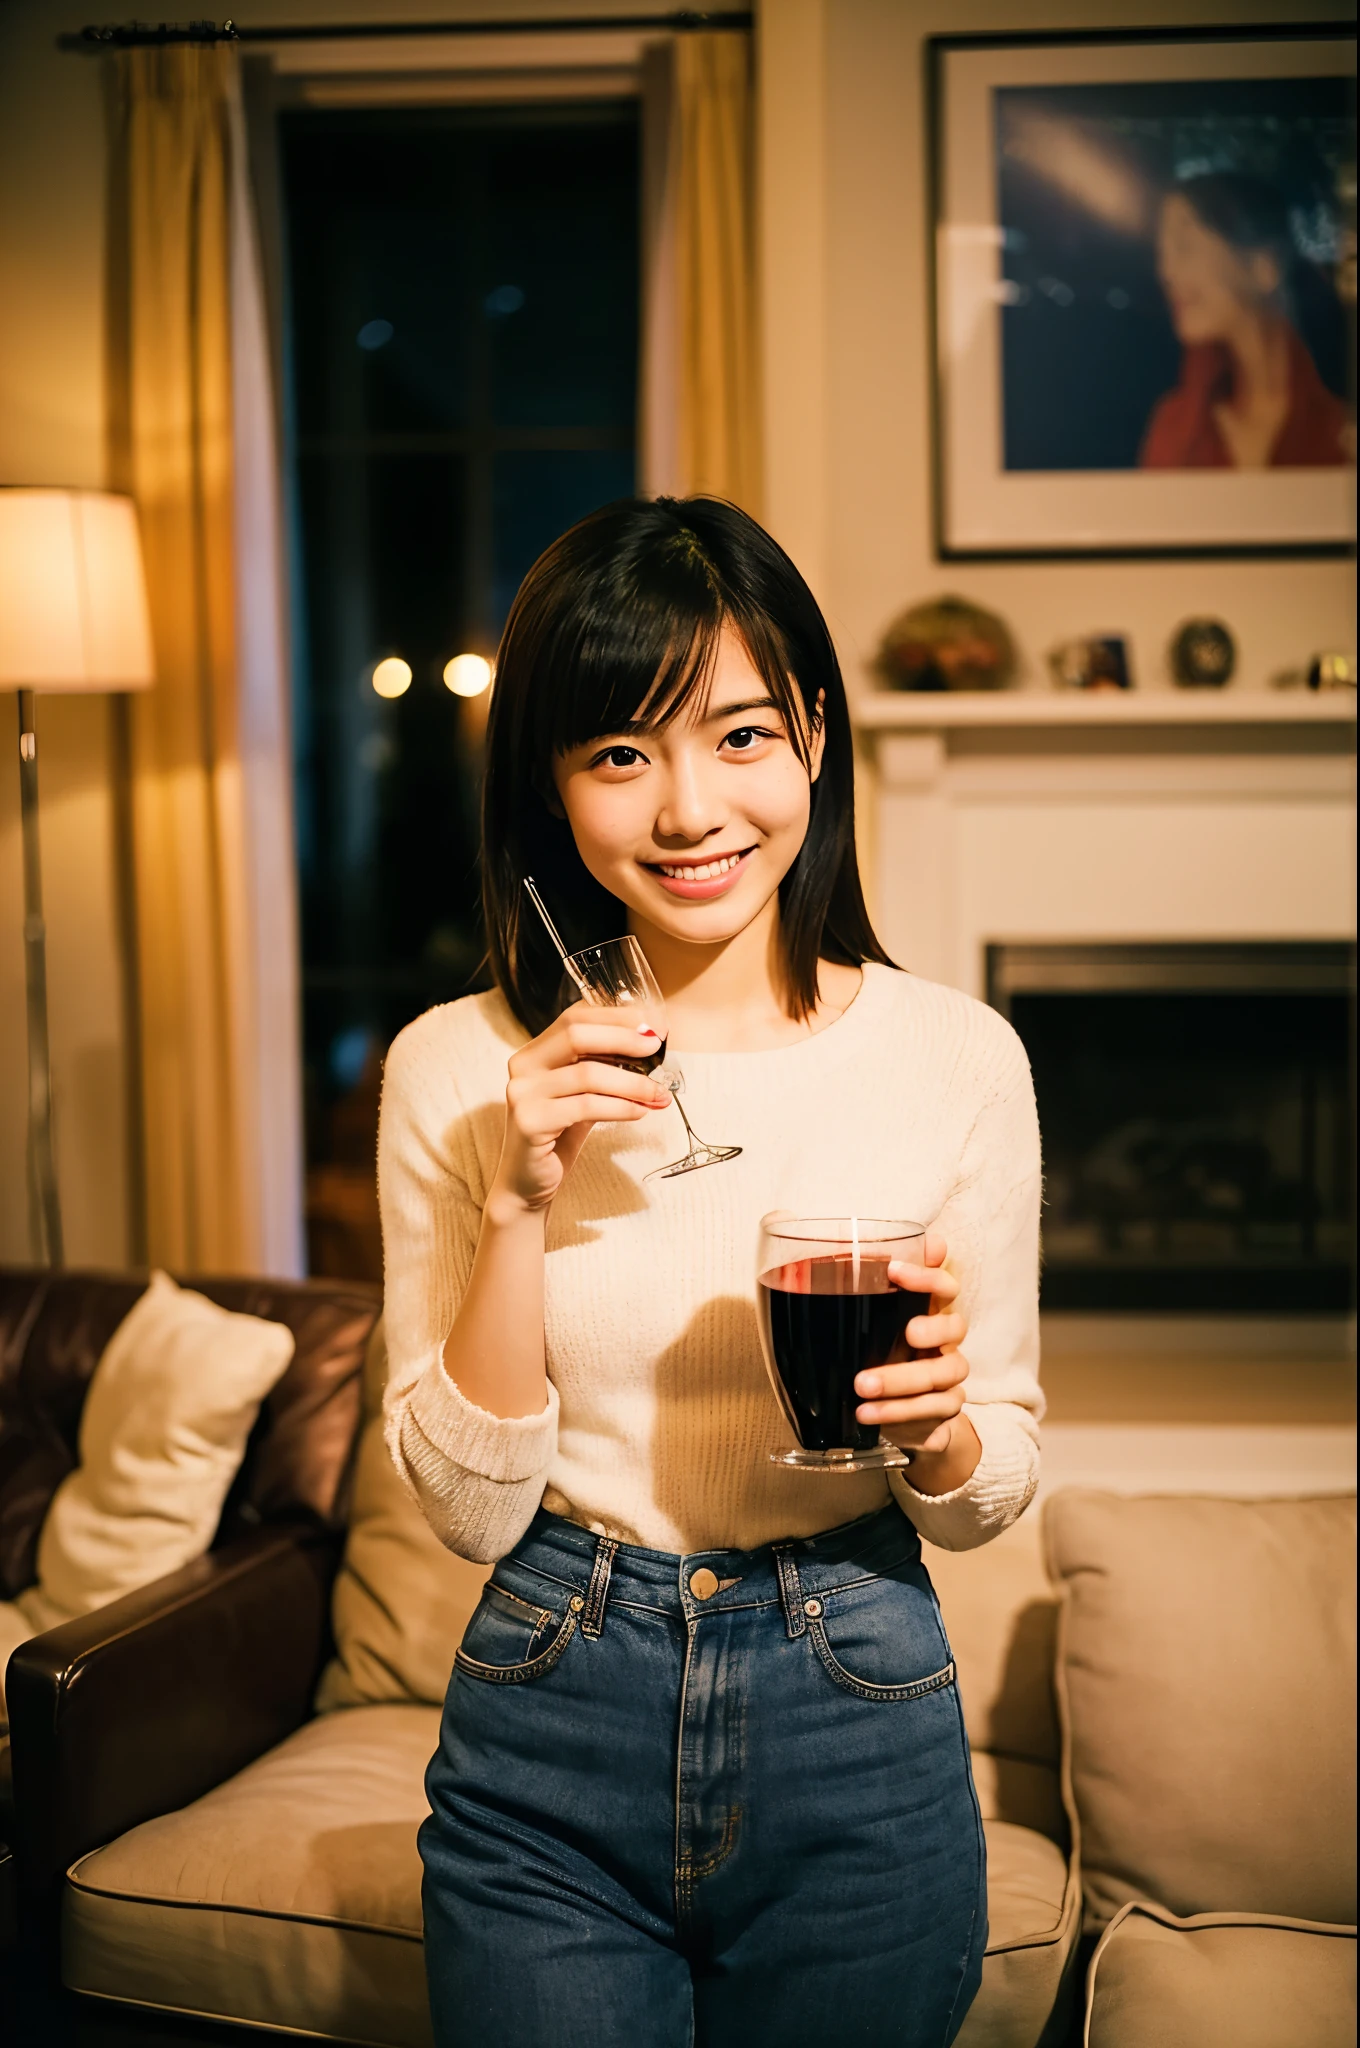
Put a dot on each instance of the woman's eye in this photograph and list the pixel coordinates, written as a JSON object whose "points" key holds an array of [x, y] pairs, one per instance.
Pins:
{"points": [[745, 737], [617, 757]]}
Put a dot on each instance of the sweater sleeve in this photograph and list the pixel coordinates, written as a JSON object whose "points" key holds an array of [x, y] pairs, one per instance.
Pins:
{"points": [[477, 1478], [991, 1223]]}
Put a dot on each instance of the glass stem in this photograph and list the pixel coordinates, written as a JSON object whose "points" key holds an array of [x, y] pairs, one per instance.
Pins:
{"points": [[689, 1128]]}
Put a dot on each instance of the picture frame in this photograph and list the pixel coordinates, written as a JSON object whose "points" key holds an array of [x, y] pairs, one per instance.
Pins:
{"points": [[1143, 293]]}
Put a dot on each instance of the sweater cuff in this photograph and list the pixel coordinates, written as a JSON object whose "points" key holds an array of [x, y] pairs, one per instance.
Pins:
{"points": [[996, 1492], [506, 1448]]}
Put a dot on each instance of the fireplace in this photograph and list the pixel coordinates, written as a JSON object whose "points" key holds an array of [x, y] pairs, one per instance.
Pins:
{"points": [[1196, 1104]]}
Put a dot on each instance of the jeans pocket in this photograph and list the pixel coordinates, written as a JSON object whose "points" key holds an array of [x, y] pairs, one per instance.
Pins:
{"points": [[882, 1638], [510, 1640]]}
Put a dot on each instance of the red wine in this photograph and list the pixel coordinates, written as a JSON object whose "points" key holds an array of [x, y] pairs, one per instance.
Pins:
{"points": [[647, 1065], [824, 1322]]}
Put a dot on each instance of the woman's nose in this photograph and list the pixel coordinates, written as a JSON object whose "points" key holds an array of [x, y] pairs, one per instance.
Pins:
{"points": [[691, 807]]}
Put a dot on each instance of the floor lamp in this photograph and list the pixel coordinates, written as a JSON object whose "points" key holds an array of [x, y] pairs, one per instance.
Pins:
{"points": [[73, 617]]}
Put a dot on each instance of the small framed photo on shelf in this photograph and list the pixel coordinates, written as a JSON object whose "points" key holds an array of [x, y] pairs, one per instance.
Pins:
{"points": [[1144, 293]]}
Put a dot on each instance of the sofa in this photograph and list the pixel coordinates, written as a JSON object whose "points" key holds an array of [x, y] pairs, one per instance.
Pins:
{"points": [[257, 1865]]}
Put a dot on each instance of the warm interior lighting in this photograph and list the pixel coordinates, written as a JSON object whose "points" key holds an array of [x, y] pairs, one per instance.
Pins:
{"points": [[392, 676], [467, 675], [73, 611]]}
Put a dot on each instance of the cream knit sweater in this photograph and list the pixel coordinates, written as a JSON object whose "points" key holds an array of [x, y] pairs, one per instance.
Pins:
{"points": [[915, 1103]]}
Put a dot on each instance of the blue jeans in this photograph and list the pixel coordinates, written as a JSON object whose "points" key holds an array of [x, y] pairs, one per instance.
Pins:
{"points": [[722, 1799]]}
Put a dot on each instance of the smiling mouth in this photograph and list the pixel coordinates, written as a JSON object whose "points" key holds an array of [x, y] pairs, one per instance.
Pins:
{"points": [[711, 870]]}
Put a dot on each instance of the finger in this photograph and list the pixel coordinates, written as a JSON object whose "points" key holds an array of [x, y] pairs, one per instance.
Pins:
{"points": [[545, 1122], [936, 1332], [584, 1036], [601, 1077], [936, 1250], [913, 1377], [938, 1440], [923, 1414], [936, 1281]]}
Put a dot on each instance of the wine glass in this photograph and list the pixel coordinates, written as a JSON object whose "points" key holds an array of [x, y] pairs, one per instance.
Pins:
{"points": [[827, 1310], [616, 975]]}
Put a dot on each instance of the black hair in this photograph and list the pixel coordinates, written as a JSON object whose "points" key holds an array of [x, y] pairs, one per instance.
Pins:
{"points": [[616, 626], [1256, 218], [1244, 211]]}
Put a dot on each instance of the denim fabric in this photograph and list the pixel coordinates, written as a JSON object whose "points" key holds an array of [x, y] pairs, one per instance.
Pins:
{"points": [[659, 1819]]}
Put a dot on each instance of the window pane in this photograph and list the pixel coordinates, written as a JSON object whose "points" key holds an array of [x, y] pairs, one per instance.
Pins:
{"points": [[562, 304], [539, 494], [463, 288]]}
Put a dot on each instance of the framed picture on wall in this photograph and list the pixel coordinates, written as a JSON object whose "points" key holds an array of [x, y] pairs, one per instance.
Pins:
{"points": [[1144, 293]]}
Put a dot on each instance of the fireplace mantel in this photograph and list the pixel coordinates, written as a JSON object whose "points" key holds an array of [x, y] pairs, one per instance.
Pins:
{"points": [[943, 711], [1024, 816]]}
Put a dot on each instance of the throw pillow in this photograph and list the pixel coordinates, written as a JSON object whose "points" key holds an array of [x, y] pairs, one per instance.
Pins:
{"points": [[1206, 1680], [401, 1600], [163, 1430]]}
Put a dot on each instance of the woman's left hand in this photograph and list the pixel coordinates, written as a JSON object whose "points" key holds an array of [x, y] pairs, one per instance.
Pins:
{"points": [[918, 1404]]}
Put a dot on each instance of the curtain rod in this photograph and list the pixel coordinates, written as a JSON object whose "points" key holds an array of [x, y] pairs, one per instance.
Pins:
{"points": [[136, 34]]}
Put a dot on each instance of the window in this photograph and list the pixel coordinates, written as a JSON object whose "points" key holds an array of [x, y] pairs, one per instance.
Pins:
{"points": [[463, 314]]}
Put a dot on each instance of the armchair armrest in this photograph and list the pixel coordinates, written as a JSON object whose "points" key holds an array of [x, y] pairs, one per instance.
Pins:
{"points": [[143, 1706]]}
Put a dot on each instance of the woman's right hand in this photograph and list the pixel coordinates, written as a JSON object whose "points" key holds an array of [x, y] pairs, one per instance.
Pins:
{"points": [[560, 1084]]}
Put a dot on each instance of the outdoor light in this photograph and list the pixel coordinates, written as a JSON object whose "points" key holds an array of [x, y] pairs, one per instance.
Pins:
{"points": [[467, 675], [392, 676]]}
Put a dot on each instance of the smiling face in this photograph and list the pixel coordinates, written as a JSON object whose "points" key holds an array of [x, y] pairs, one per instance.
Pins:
{"points": [[1209, 284], [693, 825]]}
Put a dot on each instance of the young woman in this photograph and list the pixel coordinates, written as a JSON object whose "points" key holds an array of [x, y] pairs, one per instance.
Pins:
{"points": [[702, 1776]]}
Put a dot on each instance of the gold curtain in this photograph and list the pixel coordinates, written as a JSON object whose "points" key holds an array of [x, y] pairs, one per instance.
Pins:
{"points": [[718, 398], [171, 428]]}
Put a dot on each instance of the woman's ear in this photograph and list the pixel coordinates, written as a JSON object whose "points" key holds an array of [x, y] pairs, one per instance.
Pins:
{"points": [[817, 738]]}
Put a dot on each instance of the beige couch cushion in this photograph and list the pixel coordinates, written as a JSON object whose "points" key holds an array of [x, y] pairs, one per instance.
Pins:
{"points": [[1207, 1683], [290, 1897], [1001, 1613], [1220, 1981], [163, 1430], [401, 1600]]}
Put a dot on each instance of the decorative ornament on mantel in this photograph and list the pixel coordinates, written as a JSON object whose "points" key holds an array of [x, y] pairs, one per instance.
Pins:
{"points": [[946, 643], [1331, 671], [1202, 654], [1100, 661]]}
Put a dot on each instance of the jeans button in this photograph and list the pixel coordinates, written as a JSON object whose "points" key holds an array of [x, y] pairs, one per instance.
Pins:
{"points": [[703, 1584], [812, 1607], [576, 1604]]}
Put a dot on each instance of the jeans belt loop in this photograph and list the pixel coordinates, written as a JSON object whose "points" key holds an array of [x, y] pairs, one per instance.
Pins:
{"points": [[592, 1619], [790, 1591]]}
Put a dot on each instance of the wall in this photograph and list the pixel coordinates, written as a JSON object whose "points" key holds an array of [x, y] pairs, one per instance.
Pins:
{"points": [[847, 242]]}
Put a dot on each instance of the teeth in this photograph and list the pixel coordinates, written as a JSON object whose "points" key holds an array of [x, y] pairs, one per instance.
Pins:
{"points": [[707, 871]]}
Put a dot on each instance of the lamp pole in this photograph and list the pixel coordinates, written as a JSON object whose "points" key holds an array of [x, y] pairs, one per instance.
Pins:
{"points": [[44, 1209]]}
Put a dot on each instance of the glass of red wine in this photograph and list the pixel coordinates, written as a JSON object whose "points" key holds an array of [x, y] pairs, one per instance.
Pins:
{"points": [[827, 1311], [616, 975]]}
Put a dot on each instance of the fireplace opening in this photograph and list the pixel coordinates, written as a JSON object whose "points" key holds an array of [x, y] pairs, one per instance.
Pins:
{"points": [[1195, 1103]]}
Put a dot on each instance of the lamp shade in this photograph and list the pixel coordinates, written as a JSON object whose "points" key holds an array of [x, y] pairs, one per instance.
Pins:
{"points": [[73, 610]]}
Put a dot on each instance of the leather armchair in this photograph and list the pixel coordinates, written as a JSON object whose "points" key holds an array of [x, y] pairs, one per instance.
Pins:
{"points": [[135, 1709], [138, 1708]]}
